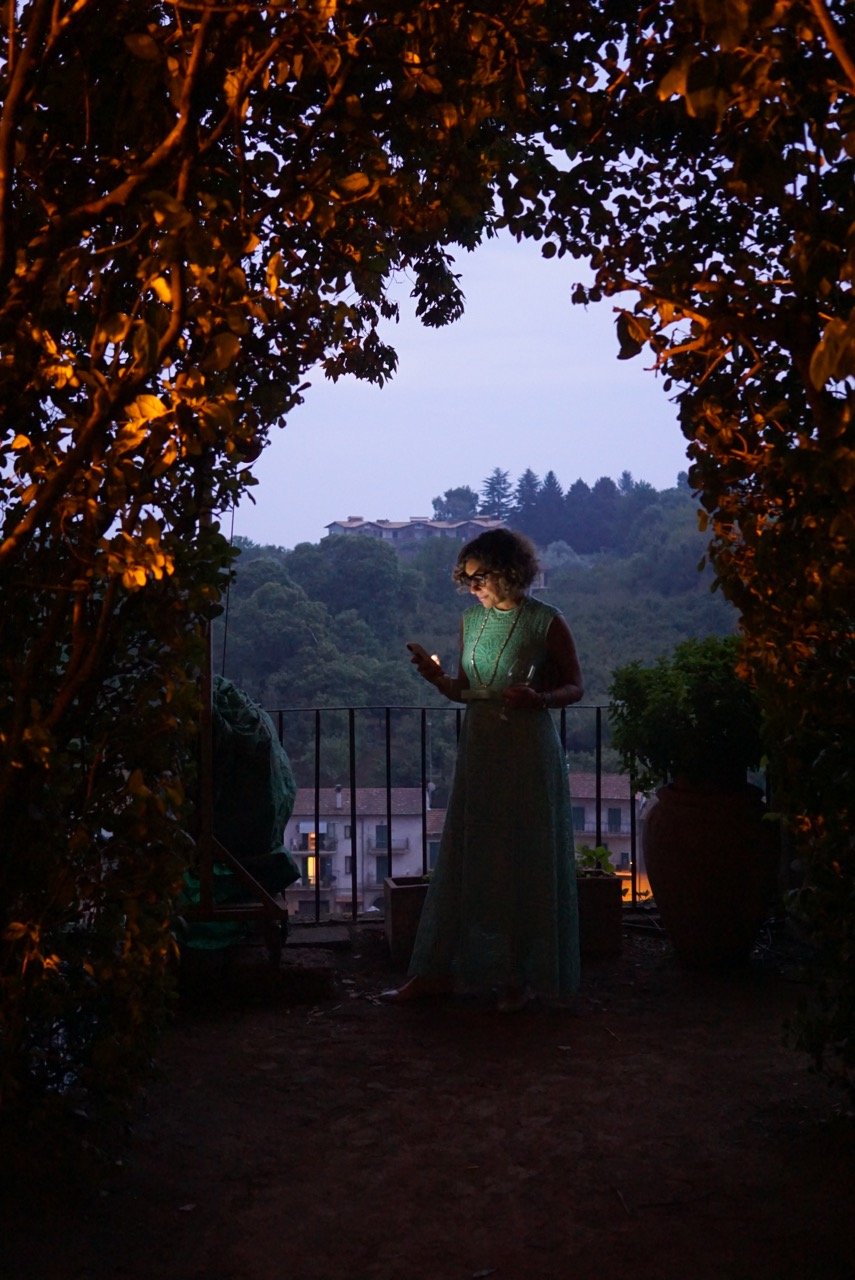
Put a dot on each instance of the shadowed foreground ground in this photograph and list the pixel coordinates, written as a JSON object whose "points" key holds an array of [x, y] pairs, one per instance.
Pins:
{"points": [[298, 1129]]}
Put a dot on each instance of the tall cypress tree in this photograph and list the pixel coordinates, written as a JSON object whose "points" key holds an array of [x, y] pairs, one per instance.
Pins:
{"points": [[525, 501], [496, 495], [549, 524]]}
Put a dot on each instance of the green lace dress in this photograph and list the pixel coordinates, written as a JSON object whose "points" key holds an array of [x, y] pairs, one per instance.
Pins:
{"points": [[501, 906]]}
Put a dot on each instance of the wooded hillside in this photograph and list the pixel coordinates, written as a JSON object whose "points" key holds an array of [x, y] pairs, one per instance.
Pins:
{"points": [[326, 624]]}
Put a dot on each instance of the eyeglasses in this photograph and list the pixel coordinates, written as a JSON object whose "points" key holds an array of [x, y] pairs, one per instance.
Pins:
{"points": [[474, 579]]}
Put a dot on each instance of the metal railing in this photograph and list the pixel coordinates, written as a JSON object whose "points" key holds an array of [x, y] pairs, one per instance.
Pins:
{"points": [[388, 716]]}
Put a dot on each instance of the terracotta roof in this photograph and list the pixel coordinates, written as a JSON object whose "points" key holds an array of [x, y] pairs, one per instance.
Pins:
{"points": [[615, 786], [407, 801], [369, 800], [356, 522]]}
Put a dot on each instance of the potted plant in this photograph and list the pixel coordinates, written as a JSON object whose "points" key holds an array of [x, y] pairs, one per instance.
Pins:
{"points": [[688, 727], [600, 911]]}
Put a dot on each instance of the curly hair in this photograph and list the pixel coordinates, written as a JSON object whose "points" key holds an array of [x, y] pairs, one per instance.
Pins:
{"points": [[505, 554]]}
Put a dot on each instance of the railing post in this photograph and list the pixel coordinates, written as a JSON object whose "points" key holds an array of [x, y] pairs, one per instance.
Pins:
{"points": [[351, 736], [361, 875], [633, 835], [599, 778], [317, 815], [424, 779], [389, 790]]}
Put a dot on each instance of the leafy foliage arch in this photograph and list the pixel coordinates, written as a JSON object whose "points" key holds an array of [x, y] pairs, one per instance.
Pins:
{"points": [[220, 212]]}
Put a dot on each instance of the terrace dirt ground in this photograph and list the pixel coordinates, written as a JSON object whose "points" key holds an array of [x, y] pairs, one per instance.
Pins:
{"points": [[298, 1128]]}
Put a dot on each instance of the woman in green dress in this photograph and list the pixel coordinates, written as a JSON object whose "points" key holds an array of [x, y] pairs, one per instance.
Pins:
{"points": [[501, 913]]}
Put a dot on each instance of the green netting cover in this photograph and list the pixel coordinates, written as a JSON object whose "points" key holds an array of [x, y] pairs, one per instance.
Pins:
{"points": [[254, 788], [254, 792]]}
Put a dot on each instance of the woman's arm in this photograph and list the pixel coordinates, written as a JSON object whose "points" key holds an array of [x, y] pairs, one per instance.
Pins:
{"points": [[562, 663]]}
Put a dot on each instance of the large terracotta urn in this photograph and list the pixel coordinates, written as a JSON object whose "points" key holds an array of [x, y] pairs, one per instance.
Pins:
{"points": [[711, 859]]}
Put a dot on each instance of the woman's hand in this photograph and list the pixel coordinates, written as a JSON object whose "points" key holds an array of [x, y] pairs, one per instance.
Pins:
{"points": [[427, 665], [521, 696]]}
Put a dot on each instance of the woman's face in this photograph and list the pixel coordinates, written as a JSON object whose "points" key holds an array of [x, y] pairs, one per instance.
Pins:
{"points": [[483, 587]]}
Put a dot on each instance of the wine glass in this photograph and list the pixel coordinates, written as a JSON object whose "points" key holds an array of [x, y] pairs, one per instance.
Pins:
{"points": [[520, 670]]}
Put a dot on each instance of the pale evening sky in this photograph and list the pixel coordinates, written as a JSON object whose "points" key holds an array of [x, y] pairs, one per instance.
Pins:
{"points": [[524, 379]]}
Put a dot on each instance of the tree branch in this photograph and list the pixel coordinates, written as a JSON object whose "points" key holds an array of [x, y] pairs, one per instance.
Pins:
{"points": [[170, 143], [835, 42], [19, 78]]}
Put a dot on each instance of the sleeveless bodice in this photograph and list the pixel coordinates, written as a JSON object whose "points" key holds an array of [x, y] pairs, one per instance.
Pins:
{"points": [[505, 647]]}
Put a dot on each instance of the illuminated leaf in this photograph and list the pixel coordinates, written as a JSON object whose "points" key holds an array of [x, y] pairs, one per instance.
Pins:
{"points": [[448, 114], [633, 332], [115, 328], [674, 82], [162, 288], [354, 184], [136, 783], [133, 578], [273, 272], [144, 345], [826, 359], [303, 206], [233, 86], [147, 407], [225, 349], [168, 209]]}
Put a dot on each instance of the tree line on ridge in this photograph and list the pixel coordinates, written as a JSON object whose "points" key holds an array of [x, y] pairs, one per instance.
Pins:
{"points": [[589, 518]]}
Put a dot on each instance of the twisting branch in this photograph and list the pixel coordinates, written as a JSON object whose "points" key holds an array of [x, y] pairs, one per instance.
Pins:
{"points": [[61, 23], [20, 69], [835, 42], [170, 144], [11, 33]]}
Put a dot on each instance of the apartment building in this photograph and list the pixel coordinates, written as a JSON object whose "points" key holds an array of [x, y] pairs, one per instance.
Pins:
{"points": [[409, 535], [615, 814], [336, 853]]}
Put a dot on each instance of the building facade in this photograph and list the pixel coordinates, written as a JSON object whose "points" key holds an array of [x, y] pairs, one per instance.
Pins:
{"points": [[339, 855], [409, 535], [340, 852]]}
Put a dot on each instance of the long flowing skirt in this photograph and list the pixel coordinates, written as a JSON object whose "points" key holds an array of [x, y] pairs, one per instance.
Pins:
{"points": [[501, 908]]}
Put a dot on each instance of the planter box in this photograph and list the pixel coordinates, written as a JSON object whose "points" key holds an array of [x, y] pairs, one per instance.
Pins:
{"points": [[403, 898], [600, 916]]}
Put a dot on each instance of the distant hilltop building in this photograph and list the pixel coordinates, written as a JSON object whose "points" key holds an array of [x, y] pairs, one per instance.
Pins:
{"points": [[406, 535]]}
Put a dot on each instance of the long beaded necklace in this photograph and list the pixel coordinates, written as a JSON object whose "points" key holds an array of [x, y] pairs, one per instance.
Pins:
{"points": [[486, 684]]}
